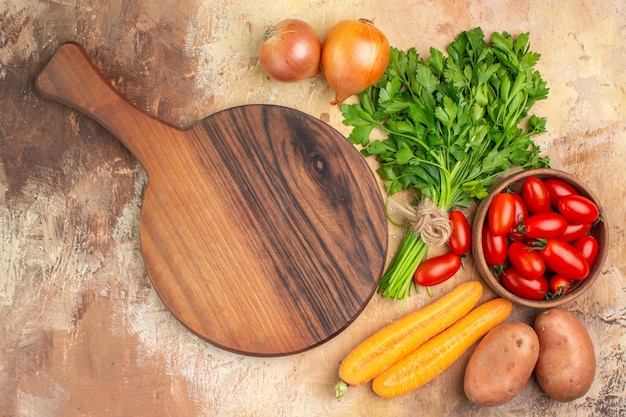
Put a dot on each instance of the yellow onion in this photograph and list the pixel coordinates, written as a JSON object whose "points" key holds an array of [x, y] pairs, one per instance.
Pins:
{"points": [[290, 51], [355, 55]]}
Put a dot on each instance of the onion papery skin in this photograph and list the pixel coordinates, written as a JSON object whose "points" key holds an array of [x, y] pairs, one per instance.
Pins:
{"points": [[290, 51], [355, 55]]}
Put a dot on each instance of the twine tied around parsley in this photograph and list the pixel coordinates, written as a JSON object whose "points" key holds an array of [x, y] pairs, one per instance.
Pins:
{"points": [[426, 220]]}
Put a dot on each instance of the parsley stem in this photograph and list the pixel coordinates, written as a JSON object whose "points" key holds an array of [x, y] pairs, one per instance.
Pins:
{"points": [[397, 281]]}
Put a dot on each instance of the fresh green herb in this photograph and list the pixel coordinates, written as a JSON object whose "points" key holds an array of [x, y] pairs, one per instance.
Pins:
{"points": [[451, 125]]}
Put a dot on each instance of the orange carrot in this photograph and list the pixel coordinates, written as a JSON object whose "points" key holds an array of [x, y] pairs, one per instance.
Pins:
{"points": [[398, 339], [437, 354]]}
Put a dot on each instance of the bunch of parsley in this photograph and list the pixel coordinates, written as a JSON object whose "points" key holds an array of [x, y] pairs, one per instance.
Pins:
{"points": [[451, 125]]}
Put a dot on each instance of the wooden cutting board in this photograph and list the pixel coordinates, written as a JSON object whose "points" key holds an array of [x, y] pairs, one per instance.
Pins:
{"points": [[262, 229]]}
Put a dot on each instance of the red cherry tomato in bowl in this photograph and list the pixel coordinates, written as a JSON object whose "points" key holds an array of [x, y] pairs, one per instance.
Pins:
{"points": [[438, 269], [559, 285], [501, 214], [558, 188], [460, 239], [574, 231], [526, 260], [529, 288], [536, 195], [578, 209], [521, 214], [494, 247], [564, 259], [544, 225], [588, 247]]}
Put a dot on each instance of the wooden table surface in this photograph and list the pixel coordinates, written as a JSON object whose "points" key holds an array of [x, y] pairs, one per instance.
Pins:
{"points": [[83, 332]]}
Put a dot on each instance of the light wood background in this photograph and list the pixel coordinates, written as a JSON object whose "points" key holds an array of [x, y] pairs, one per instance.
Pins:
{"points": [[83, 332]]}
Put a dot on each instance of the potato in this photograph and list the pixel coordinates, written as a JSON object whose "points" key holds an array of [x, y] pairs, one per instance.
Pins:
{"points": [[566, 364], [502, 364]]}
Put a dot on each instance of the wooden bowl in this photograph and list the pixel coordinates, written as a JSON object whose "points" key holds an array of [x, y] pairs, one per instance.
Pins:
{"points": [[599, 231]]}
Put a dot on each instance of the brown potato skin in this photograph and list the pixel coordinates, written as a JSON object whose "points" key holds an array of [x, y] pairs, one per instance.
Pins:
{"points": [[502, 364], [566, 365]]}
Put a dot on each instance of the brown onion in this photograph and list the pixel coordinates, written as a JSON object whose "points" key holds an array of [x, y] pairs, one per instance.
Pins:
{"points": [[355, 55], [290, 51]]}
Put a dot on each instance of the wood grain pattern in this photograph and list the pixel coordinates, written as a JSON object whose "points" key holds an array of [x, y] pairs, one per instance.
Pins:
{"points": [[262, 229]]}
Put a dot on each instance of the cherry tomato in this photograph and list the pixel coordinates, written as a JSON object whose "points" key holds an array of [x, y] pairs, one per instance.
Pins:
{"points": [[588, 247], [530, 288], [578, 209], [526, 260], [559, 285], [545, 225], [564, 259], [494, 247], [558, 188], [521, 214], [436, 270], [536, 195], [501, 214], [460, 239], [574, 231]]}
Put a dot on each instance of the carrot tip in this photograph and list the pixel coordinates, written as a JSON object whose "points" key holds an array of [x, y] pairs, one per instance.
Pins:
{"points": [[340, 389]]}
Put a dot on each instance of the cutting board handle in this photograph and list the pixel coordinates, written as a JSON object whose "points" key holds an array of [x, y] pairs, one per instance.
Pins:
{"points": [[72, 78]]}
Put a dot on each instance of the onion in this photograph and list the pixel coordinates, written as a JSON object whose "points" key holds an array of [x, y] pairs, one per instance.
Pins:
{"points": [[354, 57], [290, 51]]}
